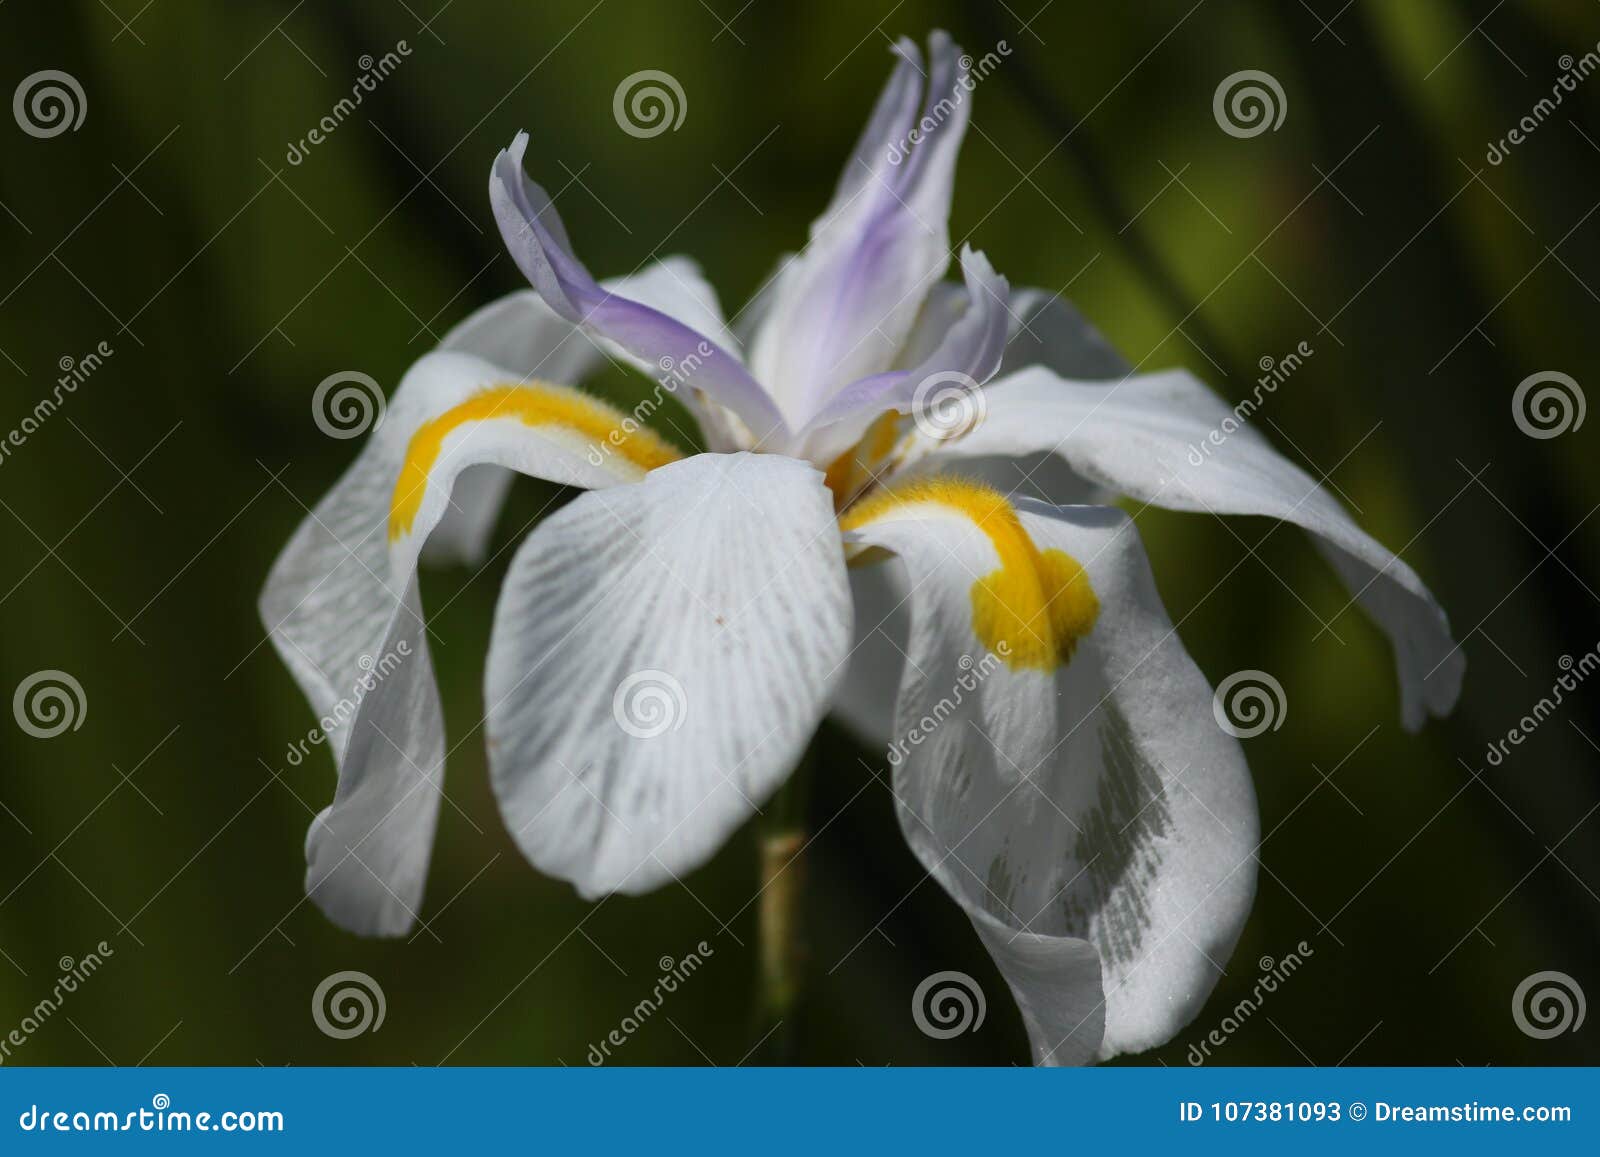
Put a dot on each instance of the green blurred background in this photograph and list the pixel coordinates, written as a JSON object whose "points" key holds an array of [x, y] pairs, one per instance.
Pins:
{"points": [[140, 521]]}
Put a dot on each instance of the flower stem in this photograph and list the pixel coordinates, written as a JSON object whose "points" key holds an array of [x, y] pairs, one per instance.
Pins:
{"points": [[781, 918]]}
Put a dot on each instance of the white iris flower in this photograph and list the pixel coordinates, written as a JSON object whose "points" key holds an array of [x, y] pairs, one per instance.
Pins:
{"points": [[1056, 761]]}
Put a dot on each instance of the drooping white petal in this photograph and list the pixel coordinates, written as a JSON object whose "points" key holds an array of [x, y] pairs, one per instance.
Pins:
{"points": [[1070, 788], [341, 607], [841, 308], [1167, 440], [661, 656]]}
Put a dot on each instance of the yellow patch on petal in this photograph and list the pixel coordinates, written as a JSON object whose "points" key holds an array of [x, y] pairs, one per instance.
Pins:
{"points": [[1031, 612], [610, 432]]}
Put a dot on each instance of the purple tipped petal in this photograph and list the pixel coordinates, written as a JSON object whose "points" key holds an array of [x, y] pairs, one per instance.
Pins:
{"points": [[534, 234], [842, 308]]}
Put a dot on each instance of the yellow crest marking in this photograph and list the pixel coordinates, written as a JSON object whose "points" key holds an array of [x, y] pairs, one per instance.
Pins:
{"points": [[1033, 611], [539, 404]]}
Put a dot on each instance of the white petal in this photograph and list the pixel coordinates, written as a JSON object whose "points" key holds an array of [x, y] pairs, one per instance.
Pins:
{"points": [[1092, 802], [1047, 330], [1041, 330], [1150, 437], [661, 656], [341, 607], [367, 852]]}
